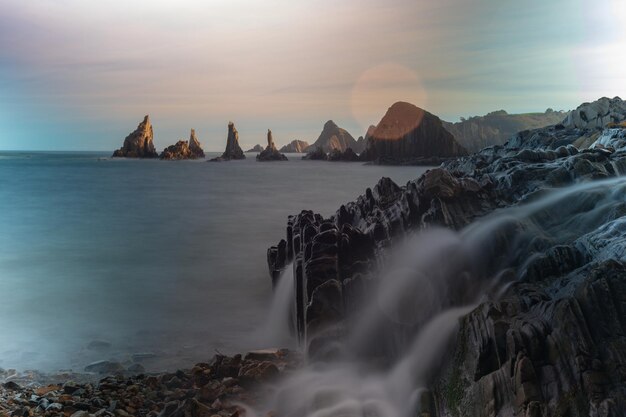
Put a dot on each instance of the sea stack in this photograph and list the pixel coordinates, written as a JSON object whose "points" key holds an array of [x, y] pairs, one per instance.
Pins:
{"points": [[270, 153], [194, 145], [410, 135], [184, 149], [139, 144], [233, 150]]}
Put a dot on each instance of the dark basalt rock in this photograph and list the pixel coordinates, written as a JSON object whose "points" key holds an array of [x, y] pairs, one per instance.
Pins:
{"points": [[410, 135], [270, 153], [317, 155], [554, 345], [233, 150], [139, 144], [347, 156]]}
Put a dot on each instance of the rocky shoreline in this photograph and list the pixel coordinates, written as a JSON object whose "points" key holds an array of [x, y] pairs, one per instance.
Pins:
{"points": [[554, 343], [219, 387]]}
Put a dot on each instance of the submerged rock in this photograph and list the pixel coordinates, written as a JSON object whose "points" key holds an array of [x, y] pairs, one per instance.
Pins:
{"points": [[139, 144], [295, 146], [233, 150], [410, 135], [270, 153]]}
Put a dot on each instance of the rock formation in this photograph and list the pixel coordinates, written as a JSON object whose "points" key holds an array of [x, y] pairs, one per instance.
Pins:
{"points": [[233, 150], [184, 149], [256, 148], [410, 135], [295, 146], [347, 156], [194, 145], [495, 128], [554, 344], [333, 137], [317, 154], [139, 144], [597, 114], [270, 153]]}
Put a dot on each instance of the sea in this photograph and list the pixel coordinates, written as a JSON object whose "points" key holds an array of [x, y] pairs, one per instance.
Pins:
{"points": [[157, 262]]}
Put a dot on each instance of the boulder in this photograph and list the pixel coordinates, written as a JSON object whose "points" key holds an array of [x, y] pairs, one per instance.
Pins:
{"points": [[270, 153], [139, 144]]}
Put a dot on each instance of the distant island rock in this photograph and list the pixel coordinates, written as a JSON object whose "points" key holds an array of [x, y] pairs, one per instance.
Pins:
{"points": [[408, 134], [184, 149], [270, 153], [256, 148], [495, 128], [333, 137], [139, 144], [295, 146], [233, 150]]}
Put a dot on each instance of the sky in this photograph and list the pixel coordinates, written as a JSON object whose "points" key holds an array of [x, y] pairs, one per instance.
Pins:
{"points": [[81, 74]]}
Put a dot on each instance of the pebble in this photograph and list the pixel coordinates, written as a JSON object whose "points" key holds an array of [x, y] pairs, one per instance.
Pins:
{"points": [[214, 388]]}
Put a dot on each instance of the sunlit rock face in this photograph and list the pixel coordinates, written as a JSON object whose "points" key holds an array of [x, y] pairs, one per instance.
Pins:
{"points": [[408, 134], [270, 153], [233, 150], [184, 149], [295, 146], [332, 137], [194, 145], [597, 114], [548, 340], [139, 144]]}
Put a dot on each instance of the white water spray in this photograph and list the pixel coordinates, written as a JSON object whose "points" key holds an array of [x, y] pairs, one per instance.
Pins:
{"points": [[427, 282]]}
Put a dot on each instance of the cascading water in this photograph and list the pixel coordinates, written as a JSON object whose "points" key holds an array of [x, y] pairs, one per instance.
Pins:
{"points": [[428, 282]]}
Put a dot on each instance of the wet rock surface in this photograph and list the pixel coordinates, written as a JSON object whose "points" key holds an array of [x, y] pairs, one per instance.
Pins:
{"points": [[139, 144], [216, 388], [553, 345]]}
